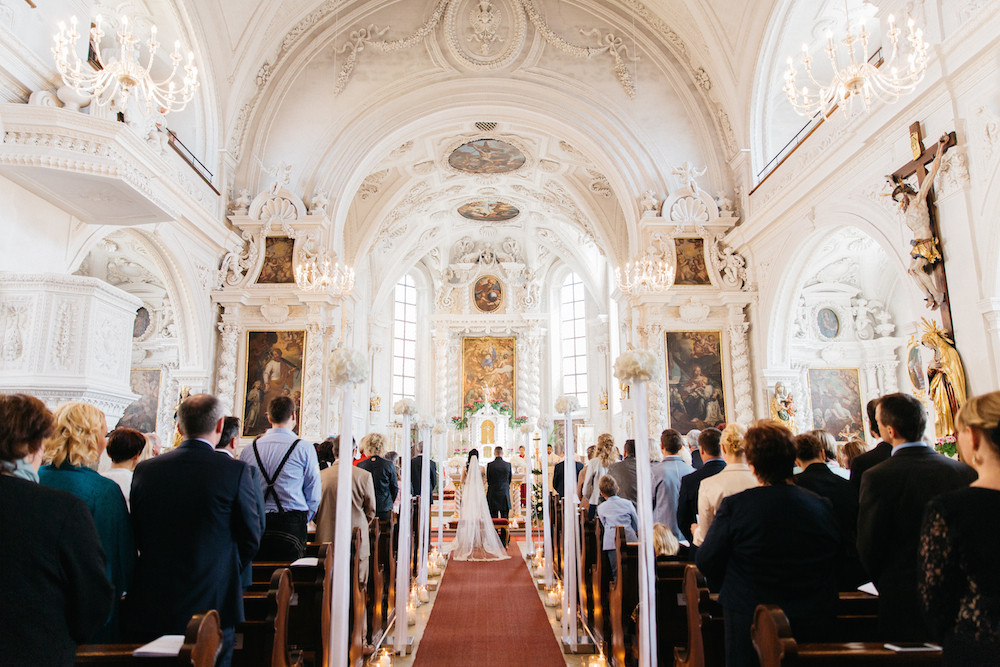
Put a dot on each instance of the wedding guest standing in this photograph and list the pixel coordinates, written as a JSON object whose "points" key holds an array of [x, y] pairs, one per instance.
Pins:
{"points": [[383, 473], [76, 443], [960, 582], [735, 477], [54, 591], [125, 447], [772, 544]]}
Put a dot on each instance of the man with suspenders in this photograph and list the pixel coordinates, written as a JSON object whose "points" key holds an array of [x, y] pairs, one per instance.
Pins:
{"points": [[289, 477]]}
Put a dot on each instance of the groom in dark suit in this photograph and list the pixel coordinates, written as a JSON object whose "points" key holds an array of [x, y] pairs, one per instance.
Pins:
{"points": [[498, 485]]}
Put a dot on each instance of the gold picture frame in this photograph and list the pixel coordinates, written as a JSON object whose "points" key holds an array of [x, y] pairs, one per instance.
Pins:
{"points": [[489, 360], [275, 365]]}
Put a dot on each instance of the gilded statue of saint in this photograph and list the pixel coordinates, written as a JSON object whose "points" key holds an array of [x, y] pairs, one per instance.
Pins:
{"points": [[946, 378]]}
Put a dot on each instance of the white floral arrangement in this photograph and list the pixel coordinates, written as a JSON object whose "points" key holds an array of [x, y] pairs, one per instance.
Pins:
{"points": [[637, 366], [526, 428], [439, 429], [348, 367], [405, 406], [544, 424], [567, 403], [424, 424]]}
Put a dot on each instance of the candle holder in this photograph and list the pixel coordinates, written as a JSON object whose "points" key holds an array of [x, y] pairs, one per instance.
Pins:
{"points": [[597, 661], [422, 595], [384, 658]]}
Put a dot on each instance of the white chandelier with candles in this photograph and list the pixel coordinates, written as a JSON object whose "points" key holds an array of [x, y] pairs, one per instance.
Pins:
{"points": [[127, 77], [854, 75], [647, 273], [321, 274]]}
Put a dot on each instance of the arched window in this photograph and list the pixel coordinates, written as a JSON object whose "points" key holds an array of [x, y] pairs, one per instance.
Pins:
{"points": [[573, 338], [404, 340]]}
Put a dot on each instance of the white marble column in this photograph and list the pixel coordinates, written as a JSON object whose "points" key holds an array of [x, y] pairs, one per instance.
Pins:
{"points": [[312, 382], [225, 383]]}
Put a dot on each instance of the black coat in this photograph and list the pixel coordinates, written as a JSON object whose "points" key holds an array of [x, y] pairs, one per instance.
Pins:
{"points": [[415, 466], [822, 481], [894, 495], [687, 496], [195, 515], [558, 477], [869, 459], [385, 481], [54, 590], [498, 476]]}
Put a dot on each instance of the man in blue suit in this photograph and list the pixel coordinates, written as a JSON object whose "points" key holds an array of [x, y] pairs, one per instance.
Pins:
{"points": [[196, 524]]}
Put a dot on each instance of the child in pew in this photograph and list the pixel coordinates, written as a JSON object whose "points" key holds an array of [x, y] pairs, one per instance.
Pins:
{"points": [[665, 544], [615, 511]]}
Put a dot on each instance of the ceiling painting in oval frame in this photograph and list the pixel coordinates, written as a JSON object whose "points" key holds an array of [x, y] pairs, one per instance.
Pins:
{"points": [[486, 156], [488, 210]]}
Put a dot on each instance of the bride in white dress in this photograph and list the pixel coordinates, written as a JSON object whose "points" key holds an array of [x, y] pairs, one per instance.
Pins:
{"points": [[476, 538]]}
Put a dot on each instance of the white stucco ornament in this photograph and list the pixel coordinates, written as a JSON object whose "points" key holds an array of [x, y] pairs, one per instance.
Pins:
{"points": [[566, 404], [405, 406], [526, 428], [348, 367], [637, 366], [439, 429]]}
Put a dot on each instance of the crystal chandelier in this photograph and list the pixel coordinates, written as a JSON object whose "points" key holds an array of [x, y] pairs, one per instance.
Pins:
{"points": [[322, 275], [647, 273], [886, 80], [125, 77]]}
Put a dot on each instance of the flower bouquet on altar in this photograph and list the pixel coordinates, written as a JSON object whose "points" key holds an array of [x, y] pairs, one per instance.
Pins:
{"points": [[469, 409]]}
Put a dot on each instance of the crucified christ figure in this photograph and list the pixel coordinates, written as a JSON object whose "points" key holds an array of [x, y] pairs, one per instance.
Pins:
{"points": [[924, 253]]}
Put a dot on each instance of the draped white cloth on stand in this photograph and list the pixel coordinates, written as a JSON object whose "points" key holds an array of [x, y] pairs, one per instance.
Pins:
{"points": [[476, 538]]}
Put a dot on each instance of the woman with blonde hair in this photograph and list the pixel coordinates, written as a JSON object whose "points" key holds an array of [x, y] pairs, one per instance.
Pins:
{"points": [[72, 450], [830, 452], [383, 472], [732, 479], [596, 468], [665, 544], [959, 581]]}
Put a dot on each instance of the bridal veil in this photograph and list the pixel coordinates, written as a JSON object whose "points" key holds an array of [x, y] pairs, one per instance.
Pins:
{"points": [[476, 538]]}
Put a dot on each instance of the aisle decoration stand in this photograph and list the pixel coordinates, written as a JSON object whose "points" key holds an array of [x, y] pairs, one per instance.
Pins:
{"points": [[636, 368], [545, 425], [425, 507], [440, 430], [529, 492], [406, 409], [347, 369], [566, 405]]}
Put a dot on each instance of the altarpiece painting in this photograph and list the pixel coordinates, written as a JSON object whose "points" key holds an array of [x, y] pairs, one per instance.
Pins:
{"points": [[836, 402], [277, 266], [274, 368], [695, 379], [141, 414], [488, 361]]}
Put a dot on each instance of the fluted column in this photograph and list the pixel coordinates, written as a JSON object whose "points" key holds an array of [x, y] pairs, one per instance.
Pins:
{"points": [[739, 351], [225, 383]]}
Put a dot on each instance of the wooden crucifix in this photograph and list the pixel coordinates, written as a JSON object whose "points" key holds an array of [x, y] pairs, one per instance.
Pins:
{"points": [[926, 260]]}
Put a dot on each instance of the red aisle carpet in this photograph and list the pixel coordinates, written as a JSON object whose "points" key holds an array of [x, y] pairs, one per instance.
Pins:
{"points": [[488, 614]]}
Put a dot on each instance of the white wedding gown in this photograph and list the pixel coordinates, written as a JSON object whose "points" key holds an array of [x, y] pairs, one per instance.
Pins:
{"points": [[476, 538]]}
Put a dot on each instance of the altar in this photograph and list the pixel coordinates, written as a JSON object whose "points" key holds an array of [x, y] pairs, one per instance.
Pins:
{"points": [[488, 428]]}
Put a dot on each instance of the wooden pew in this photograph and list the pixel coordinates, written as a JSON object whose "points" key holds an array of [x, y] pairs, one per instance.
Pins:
{"points": [[556, 519], [387, 554], [705, 631], [263, 636], [601, 582], [588, 555], [671, 612], [374, 605], [775, 645], [502, 526], [202, 641], [622, 599]]}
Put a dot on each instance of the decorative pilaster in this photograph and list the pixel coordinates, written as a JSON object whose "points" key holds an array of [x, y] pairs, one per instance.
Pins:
{"points": [[225, 383], [169, 393], [651, 336], [312, 382], [740, 353], [872, 383], [888, 381], [529, 349], [441, 374]]}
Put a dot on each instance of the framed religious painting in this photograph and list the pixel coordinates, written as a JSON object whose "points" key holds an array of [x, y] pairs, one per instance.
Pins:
{"points": [[835, 394], [691, 267], [915, 369], [275, 363], [828, 323], [277, 268], [487, 293], [141, 413], [488, 364], [695, 382]]}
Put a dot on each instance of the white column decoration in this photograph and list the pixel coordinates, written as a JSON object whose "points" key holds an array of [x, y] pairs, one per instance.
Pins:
{"points": [[637, 368], [529, 490], [441, 438], [225, 384], [347, 368], [312, 384], [406, 409], [655, 390], [740, 354], [440, 374], [425, 501], [544, 426], [566, 405]]}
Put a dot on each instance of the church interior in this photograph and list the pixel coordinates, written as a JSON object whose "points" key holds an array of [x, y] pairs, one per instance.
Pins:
{"points": [[492, 202]]}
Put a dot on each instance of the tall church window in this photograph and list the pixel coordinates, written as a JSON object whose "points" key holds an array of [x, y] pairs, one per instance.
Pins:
{"points": [[573, 317], [404, 340]]}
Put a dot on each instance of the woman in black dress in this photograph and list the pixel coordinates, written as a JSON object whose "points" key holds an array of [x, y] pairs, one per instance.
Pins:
{"points": [[959, 545]]}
